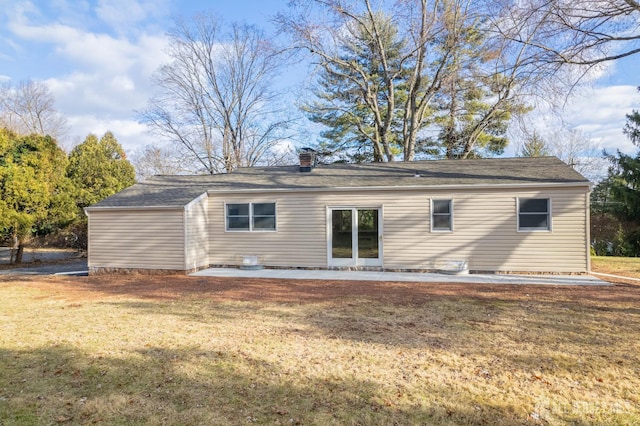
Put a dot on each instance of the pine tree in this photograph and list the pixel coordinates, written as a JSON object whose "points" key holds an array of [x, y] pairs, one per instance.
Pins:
{"points": [[357, 94], [623, 184], [534, 146]]}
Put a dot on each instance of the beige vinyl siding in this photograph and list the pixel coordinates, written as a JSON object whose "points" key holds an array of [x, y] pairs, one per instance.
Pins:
{"points": [[485, 233], [149, 239], [299, 239], [197, 239], [484, 229]]}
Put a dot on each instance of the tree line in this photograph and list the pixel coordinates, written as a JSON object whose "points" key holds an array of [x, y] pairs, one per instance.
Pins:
{"points": [[615, 201], [44, 190], [390, 80]]}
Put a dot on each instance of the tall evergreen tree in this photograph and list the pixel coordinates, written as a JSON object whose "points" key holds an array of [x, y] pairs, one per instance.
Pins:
{"points": [[389, 68], [625, 171], [357, 92], [35, 194], [99, 168], [623, 186]]}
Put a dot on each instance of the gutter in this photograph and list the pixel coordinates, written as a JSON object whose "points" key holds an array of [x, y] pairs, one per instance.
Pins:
{"points": [[132, 208]]}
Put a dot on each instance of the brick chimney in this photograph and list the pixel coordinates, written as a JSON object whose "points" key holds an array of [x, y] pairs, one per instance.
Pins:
{"points": [[308, 159]]}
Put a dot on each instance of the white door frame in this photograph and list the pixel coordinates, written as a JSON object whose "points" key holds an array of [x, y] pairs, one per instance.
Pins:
{"points": [[354, 260]]}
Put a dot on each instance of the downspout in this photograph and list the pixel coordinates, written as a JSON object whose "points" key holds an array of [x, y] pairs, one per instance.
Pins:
{"points": [[186, 237], [88, 240], [587, 221]]}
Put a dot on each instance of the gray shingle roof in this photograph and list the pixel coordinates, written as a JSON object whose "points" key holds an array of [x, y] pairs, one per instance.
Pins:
{"points": [[177, 191]]}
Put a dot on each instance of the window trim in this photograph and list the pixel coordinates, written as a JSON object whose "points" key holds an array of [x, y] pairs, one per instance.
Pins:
{"points": [[441, 230], [251, 217], [549, 227]]}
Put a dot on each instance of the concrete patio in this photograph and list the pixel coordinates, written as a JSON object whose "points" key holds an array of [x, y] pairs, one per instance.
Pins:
{"points": [[321, 274]]}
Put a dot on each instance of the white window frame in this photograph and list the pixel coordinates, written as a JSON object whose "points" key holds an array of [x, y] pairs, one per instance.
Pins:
{"points": [[549, 227], [251, 217], [450, 200]]}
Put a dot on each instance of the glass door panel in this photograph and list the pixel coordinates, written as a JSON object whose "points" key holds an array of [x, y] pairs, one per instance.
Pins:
{"points": [[355, 237], [368, 234], [342, 234]]}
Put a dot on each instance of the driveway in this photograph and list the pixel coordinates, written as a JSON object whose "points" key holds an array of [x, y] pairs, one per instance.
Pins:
{"points": [[45, 262], [78, 267]]}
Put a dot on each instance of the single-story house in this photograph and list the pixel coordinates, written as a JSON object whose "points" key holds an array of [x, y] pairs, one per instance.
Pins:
{"points": [[498, 215]]}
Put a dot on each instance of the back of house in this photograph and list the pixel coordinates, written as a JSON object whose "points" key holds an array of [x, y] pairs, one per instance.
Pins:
{"points": [[492, 215]]}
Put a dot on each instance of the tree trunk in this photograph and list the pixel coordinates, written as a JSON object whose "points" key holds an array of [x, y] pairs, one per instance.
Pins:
{"points": [[18, 259]]}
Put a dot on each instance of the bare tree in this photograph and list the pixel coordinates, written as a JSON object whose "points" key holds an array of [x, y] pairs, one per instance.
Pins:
{"points": [[216, 97], [579, 151], [160, 159], [580, 32], [346, 20], [437, 40], [572, 146], [29, 107]]}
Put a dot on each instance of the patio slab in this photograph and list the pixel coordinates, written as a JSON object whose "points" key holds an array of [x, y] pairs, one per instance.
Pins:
{"points": [[322, 274]]}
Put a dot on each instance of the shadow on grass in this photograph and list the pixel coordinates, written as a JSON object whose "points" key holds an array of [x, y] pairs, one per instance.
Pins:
{"points": [[185, 386]]}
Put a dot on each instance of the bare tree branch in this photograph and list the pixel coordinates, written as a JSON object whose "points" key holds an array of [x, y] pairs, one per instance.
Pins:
{"points": [[29, 107], [582, 32], [216, 96]]}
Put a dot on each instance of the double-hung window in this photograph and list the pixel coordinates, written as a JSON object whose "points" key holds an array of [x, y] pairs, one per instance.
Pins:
{"points": [[442, 215], [534, 214], [251, 217]]}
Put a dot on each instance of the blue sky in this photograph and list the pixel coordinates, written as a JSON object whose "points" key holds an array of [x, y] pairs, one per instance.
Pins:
{"points": [[98, 57]]}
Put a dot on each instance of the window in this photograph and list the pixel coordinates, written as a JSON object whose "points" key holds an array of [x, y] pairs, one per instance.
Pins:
{"points": [[441, 215], [238, 217], [251, 217], [534, 214], [264, 216]]}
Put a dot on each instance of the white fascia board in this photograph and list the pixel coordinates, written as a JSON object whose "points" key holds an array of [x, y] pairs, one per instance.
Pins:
{"points": [[131, 208], [587, 185]]}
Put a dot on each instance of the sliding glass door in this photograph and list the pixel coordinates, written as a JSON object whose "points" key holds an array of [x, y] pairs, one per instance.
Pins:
{"points": [[354, 237]]}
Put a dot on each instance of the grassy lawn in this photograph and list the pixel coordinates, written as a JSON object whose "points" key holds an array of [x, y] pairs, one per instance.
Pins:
{"points": [[626, 266], [187, 351]]}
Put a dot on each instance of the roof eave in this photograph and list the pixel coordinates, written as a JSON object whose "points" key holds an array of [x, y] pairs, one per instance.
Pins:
{"points": [[571, 184], [130, 208]]}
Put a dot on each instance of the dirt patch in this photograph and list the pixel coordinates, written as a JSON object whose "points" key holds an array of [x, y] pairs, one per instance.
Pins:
{"points": [[309, 291]]}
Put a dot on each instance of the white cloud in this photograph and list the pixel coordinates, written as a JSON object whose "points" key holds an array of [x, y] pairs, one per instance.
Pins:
{"points": [[125, 16], [130, 134], [601, 114], [101, 52], [111, 74]]}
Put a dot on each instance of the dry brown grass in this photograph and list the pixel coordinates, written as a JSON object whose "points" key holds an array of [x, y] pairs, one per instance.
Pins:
{"points": [[626, 266], [182, 350]]}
